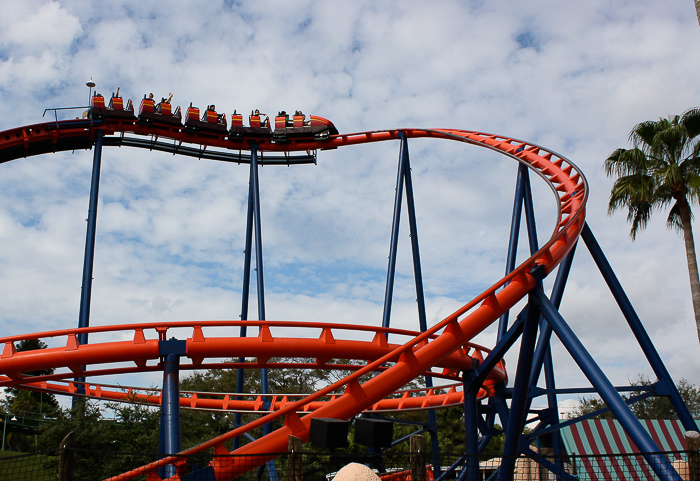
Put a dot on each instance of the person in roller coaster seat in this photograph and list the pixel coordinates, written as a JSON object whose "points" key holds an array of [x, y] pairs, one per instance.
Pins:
{"points": [[163, 100], [219, 117], [264, 122], [301, 114], [287, 122]]}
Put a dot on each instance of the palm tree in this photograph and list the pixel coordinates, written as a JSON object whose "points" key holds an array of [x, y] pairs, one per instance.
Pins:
{"points": [[663, 169], [697, 9]]}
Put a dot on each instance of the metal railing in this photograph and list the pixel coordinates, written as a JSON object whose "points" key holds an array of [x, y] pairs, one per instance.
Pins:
{"points": [[86, 465]]}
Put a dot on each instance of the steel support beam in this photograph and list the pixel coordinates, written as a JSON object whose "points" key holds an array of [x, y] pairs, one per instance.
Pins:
{"points": [[471, 432], [519, 403], [638, 330], [245, 295], [530, 214], [420, 293], [393, 246], [171, 351], [253, 228], [89, 259], [658, 462], [513, 238]]}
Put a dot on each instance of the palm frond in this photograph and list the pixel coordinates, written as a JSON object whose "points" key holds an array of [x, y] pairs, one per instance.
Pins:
{"points": [[624, 162], [670, 138], [691, 165], [674, 219], [637, 193], [691, 121], [642, 136], [692, 183], [671, 175], [639, 215]]}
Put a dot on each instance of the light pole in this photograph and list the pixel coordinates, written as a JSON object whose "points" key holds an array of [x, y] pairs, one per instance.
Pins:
{"points": [[90, 84]]}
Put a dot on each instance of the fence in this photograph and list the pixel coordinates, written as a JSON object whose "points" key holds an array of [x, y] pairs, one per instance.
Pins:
{"points": [[84, 465]]}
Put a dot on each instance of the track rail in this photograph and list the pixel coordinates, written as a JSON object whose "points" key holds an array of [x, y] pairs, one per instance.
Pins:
{"points": [[397, 365], [75, 360]]}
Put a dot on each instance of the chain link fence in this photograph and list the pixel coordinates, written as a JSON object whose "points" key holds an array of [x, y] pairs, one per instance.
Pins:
{"points": [[83, 465]]}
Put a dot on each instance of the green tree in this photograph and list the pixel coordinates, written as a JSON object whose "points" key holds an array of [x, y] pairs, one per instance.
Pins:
{"points": [[21, 401], [200, 426], [654, 407], [133, 433], [661, 170]]}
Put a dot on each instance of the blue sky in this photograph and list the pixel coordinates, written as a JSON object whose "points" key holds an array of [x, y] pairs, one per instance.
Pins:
{"points": [[574, 77]]}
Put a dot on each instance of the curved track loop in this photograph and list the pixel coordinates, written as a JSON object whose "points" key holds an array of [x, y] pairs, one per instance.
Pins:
{"points": [[73, 360], [411, 359]]}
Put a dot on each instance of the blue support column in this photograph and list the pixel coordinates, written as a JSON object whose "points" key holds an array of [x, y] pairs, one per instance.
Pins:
{"points": [[640, 333], [413, 226], [259, 267], [471, 433], [391, 269], [171, 350], [513, 239], [543, 358], [245, 295], [259, 275], [542, 351], [530, 214], [519, 402], [497, 402], [420, 293], [258, 232], [658, 462], [88, 262], [501, 347], [552, 402]]}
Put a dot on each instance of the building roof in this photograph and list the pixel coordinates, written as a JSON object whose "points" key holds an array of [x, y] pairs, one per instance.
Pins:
{"points": [[605, 438]]}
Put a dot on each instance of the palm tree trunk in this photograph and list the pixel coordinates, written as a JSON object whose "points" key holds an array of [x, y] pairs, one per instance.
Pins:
{"points": [[697, 9], [684, 210]]}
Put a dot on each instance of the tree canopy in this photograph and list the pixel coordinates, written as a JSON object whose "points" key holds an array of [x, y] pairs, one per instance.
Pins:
{"points": [[23, 402], [654, 407]]}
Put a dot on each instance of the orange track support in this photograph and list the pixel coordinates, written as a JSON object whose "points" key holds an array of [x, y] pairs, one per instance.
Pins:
{"points": [[442, 345]]}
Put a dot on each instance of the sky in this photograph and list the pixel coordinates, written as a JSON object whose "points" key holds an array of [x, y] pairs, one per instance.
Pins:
{"points": [[574, 77]]}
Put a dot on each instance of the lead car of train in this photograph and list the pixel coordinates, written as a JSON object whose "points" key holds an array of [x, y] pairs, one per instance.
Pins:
{"points": [[286, 127]]}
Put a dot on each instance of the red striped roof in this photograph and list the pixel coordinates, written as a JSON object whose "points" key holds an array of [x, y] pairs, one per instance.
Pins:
{"points": [[606, 437]]}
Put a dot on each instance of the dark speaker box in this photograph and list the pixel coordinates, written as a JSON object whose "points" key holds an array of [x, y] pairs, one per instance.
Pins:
{"points": [[374, 433], [329, 433]]}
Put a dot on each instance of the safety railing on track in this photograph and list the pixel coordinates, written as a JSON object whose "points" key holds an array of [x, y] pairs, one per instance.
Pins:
{"points": [[438, 397]]}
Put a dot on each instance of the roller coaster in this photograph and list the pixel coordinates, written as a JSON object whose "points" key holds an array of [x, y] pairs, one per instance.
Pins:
{"points": [[470, 375]]}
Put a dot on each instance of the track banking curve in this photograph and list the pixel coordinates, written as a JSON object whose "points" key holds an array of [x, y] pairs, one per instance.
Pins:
{"points": [[394, 365]]}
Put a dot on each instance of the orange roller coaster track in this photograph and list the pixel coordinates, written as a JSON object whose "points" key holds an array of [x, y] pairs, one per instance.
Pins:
{"points": [[444, 345]]}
